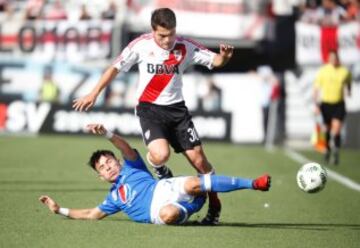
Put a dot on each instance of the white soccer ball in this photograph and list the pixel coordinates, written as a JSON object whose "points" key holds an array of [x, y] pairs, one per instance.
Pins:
{"points": [[311, 177]]}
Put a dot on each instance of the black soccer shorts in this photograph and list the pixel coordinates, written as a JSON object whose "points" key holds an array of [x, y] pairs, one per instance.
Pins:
{"points": [[171, 122], [333, 111]]}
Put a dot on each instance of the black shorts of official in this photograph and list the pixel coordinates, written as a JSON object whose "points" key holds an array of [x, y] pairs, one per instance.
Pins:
{"points": [[332, 111], [171, 122]]}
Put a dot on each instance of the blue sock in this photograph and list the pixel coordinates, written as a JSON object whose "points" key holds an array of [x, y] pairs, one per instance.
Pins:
{"points": [[214, 183], [188, 208], [183, 215], [195, 205]]}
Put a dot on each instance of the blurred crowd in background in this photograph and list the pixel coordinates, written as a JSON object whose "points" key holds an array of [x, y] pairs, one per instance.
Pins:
{"points": [[323, 12], [59, 9]]}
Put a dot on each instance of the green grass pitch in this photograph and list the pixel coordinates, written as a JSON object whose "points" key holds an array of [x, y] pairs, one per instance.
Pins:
{"points": [[56, 165]]}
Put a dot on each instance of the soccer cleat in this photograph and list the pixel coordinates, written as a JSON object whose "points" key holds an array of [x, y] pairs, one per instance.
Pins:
{"points": [[212, 217], [262, 183], [162, 172]]}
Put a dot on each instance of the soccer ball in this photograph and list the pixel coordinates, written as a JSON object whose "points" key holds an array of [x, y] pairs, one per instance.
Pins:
{"points": [[311, 177]]}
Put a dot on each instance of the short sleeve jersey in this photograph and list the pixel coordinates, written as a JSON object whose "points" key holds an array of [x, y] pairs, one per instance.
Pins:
{"points": [[161, 70], [332, 81], [132, 192]]}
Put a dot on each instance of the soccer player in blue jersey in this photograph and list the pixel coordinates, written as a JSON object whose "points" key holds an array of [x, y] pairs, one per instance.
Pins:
{"points": [[144, 199]]}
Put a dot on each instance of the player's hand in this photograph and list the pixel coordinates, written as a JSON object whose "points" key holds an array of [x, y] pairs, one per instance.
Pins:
{"points": [[226, 51], [96, 129], [84, 103], [50, 203]]}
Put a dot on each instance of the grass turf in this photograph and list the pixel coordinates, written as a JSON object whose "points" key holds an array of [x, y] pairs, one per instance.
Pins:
{"points": [[56, 165]]}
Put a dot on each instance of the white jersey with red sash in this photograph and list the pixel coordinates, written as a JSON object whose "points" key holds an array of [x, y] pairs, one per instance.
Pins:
{"points": [[161, 70]]}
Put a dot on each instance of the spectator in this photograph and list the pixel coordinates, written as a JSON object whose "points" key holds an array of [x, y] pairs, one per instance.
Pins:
{"points": [[34, 9], [56, 12], [343, 3], [330, 14], [353, 10], [49, 91], [84, 14], [212, 97], [110, 12], [310, 13], [4, 4], [6, 9]]}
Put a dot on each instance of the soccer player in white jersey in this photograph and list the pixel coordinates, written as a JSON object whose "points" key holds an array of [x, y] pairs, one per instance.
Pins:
{"points": [[144, 199], [162, 57]]}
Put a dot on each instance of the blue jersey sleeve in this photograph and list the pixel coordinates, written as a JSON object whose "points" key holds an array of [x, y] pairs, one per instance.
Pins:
{"points": [[138, 163], [108, 207]]}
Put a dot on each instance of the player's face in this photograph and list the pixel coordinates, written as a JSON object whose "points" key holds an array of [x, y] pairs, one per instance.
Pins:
{"points": [[108, 168], [164, 37]]}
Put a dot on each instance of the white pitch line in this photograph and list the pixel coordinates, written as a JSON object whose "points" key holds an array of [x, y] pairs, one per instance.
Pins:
{"points": [[332, 174]]}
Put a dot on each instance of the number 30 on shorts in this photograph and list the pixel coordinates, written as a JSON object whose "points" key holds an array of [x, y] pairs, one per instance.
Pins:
{"points": [[193, 135]]}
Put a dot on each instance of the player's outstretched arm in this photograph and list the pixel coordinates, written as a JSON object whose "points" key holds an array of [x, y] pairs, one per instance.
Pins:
{"points": [[223, 57], [120, 143], [85, 214], [86, 102]]}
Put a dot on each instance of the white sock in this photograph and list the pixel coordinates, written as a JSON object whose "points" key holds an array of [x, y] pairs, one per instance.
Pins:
{"points": [[212, 172]]}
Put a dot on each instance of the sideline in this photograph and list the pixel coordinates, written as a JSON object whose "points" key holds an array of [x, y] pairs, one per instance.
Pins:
{"points": [[332, 174]]}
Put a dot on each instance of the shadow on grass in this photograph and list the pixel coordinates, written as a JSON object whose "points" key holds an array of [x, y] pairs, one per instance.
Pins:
{"points": [[297, 226], [294, 226], [55, 190], [118, 219]]}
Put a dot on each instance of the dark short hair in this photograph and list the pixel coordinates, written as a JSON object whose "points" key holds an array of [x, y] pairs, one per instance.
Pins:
{"points": [[96, 156], [163, 17]]}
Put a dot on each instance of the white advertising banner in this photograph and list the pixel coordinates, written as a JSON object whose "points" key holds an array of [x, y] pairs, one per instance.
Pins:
{"points": [[242, 96], [203, 19], [314, 42], [208, 97], [308, 44], [60, 40], [349, 43]]}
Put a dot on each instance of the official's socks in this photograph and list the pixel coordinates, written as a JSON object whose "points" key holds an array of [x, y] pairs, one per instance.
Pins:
{"points": [[328, 139], [337, 141]]}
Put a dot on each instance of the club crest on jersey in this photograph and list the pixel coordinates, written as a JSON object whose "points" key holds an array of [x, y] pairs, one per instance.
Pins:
{"points": [[162, 69], [178, 55], [124, 192]]}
